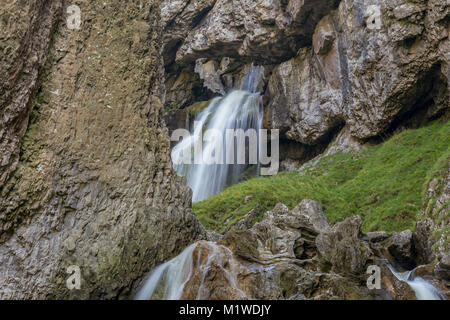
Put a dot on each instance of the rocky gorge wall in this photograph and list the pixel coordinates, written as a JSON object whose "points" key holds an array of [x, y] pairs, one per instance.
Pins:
{"points": [[85, 172]]}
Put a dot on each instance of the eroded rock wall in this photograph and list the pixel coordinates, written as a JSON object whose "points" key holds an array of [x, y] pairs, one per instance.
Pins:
{"points": [[26, 31], [372, 64], [368, 66], [94, 186]]}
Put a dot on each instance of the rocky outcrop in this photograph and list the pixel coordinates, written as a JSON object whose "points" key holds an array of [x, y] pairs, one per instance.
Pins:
{"points": [[217, 38], [292, 254], [178, 18], [442, 269], [94, 187], [402, 249], [370, 66], [342, 248], [432, 237], [302, 104], [262, 31]]}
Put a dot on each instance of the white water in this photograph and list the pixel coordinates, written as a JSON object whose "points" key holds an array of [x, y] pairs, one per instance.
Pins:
{"points": [[239, 109], [422, 288], [168, 281]]}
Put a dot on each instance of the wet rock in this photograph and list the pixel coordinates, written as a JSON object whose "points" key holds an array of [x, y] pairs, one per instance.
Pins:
{"points": [[402, 249], [391, 287], [208, 72], [423, 271], [442, 269], [215, 275]]}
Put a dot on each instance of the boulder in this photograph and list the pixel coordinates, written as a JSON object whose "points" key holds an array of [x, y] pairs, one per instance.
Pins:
{"points": [[312, 210], [341, 247], [442, 269], [279, 259], [402, 249], [178, 18]]}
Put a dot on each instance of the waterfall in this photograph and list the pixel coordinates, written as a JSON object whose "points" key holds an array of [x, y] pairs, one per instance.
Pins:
{"points": [[422, 288], [192, 267], [167, 281], [239, 109]]}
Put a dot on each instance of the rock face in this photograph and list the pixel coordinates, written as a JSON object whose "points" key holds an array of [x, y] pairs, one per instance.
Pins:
{"points": [[302, 104], [25, 35], [369, 66], [291, 254], [442, 269], [402, 249], [94, 185], [226, 35], [432, 236], [259, 30]]}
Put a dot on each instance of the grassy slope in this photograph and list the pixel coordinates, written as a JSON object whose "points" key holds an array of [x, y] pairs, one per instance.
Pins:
{"points": [[383, 184]]}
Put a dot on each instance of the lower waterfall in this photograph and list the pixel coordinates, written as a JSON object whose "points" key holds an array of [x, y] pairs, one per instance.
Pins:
{"points": [[422, 288], [192, 266]]}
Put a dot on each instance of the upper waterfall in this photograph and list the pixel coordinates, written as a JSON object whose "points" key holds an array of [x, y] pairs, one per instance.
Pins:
{"points": [[238, 110]]}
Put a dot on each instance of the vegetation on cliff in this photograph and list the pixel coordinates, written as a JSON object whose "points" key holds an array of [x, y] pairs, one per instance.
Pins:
{"points": [[384, 184]]}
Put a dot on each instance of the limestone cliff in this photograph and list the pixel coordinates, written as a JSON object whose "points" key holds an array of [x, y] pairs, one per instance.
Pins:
{"points": [[86, 175], [368, 66]]}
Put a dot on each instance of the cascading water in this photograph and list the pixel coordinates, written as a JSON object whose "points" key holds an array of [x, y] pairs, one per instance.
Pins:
{"points": [[169, 280], [422, 288], [239, 109]]}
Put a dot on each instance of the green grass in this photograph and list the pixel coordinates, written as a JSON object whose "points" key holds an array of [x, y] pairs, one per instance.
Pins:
{"points": [[383, 184]]}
